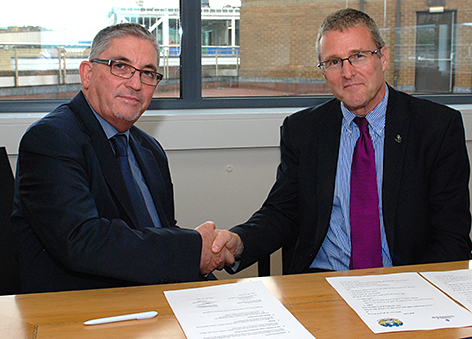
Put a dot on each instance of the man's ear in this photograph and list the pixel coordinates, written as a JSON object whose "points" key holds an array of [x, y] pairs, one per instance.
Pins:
{"points": [[85, 70], [384, 58]]}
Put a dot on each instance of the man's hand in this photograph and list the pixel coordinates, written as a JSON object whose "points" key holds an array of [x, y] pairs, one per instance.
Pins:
{"points": [[226, 240], [210, 259]]}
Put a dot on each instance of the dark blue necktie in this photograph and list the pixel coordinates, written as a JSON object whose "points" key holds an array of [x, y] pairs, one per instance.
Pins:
{"points": [[120, 142]]}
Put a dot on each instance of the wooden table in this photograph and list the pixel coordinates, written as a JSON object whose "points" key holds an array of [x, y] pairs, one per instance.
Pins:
{"points": [[309, 297]]}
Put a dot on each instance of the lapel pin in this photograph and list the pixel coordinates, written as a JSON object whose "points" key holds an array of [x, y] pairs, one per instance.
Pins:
{"points": [[398, 138]]}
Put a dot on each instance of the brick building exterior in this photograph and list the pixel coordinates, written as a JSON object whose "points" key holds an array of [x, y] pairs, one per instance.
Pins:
{"points": [[278, 43]]}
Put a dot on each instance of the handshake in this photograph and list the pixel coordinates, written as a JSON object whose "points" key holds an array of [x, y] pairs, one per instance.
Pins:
{"points": [[219, 247]]}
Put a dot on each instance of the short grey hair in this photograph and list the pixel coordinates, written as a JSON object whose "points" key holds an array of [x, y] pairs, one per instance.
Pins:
{"points": [[347, 18], [104, 38]]}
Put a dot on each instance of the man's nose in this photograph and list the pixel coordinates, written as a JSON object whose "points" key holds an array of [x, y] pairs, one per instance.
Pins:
{"points": [[135, 81], [347, 69]]}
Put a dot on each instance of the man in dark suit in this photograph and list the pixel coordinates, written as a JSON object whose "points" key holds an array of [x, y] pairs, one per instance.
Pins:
{"points": [[78, 224], [421, 168]]}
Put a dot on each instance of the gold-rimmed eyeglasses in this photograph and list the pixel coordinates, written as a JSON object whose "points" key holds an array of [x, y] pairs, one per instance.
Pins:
{"points": [[123, 70], [357, 59]]}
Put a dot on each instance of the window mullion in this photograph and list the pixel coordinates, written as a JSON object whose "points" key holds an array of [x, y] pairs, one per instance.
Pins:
{"points": [[190, 55]]}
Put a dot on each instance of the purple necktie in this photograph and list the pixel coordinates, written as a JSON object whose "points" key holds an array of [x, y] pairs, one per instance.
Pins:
{"points": [[366, 251]]}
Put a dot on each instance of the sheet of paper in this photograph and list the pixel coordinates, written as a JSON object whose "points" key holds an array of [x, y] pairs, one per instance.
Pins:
{"points": [[457, 284], [237, 310], [400, 302]]}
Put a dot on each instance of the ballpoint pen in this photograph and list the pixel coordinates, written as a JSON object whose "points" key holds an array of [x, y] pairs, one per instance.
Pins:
{"points": [[124, 317]]}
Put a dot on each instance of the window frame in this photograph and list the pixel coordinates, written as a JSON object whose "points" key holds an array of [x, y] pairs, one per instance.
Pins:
{"points": [[191, 82]]}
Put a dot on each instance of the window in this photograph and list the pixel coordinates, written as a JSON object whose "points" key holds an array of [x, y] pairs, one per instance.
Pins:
{"points": [[231, 53]]}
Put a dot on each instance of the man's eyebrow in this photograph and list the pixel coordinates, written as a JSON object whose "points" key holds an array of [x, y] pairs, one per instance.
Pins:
{"points": [[128, 61], [351, 52], [121, 58], [151, 66]]}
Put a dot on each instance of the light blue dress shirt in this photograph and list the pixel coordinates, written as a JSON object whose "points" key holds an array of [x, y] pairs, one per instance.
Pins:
{"points": [[110, 132], [335, 252]]}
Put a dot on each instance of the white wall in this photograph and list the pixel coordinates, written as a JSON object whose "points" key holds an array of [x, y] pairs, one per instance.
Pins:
{"points": [[223, 162]]}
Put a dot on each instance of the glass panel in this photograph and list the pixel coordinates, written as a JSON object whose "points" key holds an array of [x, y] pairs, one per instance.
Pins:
{"points": [[42, 43], [249, 47], [434, 56], [220, 48], [277, 54]]}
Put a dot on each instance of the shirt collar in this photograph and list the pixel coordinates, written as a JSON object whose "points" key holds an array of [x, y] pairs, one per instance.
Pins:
{"points": [[376, 117], [109, 130]]}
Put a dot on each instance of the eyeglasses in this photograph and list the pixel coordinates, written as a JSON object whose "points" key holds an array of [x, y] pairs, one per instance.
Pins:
{"points": [[126, 71], [357, 60]]}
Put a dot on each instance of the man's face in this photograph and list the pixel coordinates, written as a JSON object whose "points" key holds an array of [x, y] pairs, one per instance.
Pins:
{"points": [[360, 88], [120, 101]]}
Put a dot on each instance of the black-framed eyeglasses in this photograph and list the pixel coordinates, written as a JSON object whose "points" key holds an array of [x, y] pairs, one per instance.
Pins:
{"points": [[357, 59], [123, 70]]}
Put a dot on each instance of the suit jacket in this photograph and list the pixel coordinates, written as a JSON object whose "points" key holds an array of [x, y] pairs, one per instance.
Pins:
{"points": [[74, 224], [425, 186]]}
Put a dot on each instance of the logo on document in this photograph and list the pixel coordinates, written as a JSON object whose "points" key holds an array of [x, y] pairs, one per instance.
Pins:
{"points": [[390, 322]]}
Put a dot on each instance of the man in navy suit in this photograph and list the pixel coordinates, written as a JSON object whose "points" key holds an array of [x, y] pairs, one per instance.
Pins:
{"points": [[77, 226], [420, 157]]}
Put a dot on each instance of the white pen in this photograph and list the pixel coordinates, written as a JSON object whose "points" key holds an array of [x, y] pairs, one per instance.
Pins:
{"points": [[134, 316]]}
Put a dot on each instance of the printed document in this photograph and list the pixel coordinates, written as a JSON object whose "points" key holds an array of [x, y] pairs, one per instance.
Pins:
{"points": [[457, 284], [236, 310], [400, 302]]}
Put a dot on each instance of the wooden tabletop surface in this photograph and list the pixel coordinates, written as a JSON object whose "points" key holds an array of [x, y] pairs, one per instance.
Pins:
{"points": [[309, 297]]}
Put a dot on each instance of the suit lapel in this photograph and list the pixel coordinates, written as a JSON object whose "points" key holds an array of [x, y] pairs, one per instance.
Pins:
{"points": [[151, 173], [396, 141], [328, 151], [105, 156]]}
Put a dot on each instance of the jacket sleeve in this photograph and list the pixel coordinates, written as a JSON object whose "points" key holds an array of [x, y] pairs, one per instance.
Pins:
{"points": [[449, 196]]}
